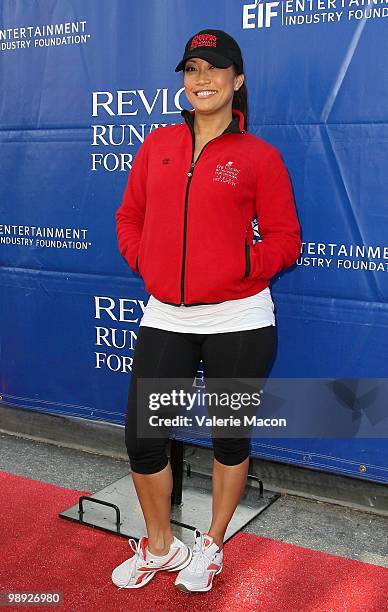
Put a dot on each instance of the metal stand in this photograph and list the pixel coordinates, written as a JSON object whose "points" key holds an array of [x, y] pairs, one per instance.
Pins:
{"points": [[116, 508]]}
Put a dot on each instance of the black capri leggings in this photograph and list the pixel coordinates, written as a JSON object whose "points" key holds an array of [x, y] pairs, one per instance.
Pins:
{"points": [[159, 353]]}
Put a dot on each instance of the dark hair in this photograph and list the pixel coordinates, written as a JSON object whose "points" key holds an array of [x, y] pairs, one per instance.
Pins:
{"points": [[240, 100]]}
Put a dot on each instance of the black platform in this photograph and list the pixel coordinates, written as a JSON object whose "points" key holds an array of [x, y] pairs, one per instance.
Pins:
{"points": [[116, 508]]}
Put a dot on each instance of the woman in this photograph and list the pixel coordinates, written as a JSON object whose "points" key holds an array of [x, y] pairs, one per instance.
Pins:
{"points": [[185, 225]]}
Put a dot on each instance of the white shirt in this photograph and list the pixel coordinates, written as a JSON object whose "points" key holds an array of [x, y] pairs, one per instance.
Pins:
{"points": [[232, 315]]}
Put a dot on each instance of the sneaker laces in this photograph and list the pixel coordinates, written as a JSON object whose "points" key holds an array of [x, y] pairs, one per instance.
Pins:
{"points": [[200, 559], [138, 553]]}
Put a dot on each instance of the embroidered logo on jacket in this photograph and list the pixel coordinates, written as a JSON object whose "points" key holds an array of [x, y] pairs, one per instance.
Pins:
{"points": [[226, 173]]}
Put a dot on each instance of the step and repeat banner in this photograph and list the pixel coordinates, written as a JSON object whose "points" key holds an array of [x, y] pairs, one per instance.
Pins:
{"points": [[82, 84]]}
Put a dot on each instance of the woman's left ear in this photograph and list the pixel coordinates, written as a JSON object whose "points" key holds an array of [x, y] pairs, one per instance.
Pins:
{"points": [[240, 81]]}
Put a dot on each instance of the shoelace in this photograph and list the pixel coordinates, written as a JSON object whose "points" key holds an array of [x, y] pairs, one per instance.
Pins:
{"points": [[200, 559], [135, 546]]}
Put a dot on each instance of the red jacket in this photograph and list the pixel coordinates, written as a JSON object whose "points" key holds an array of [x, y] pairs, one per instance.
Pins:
{"points": [[186, 227]]}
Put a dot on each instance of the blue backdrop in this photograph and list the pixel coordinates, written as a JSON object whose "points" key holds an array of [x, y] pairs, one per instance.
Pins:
{"points": [[81, 86]]}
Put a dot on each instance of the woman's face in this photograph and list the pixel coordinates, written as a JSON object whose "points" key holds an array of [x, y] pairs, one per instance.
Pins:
{"points": [[209, 89]]}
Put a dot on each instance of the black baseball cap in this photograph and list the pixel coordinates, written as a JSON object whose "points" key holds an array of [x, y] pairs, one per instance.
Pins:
{"points": [[214, 46]]}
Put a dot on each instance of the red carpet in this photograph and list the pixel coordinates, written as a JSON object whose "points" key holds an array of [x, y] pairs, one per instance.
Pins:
{"points": [[40, 551]]}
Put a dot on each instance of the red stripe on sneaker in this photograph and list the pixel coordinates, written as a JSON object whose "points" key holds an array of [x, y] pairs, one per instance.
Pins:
{"points": [[171, 558], [213, 566], [143, 545], [210, 579], [149, 569], [207, 540], [141, 578], [184, 560]]}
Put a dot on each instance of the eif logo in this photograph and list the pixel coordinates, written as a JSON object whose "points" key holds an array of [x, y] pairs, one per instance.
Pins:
{"points": [[259, 14]]}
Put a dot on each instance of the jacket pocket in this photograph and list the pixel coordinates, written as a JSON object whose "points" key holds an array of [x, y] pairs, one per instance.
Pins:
{"points": [[247, 259]]}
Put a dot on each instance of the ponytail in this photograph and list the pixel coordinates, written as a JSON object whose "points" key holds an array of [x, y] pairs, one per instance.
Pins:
{"points": [[240, 101]]}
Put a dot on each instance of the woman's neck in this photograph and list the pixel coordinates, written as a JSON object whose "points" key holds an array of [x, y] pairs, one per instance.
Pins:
{"points": [[212, 125]]}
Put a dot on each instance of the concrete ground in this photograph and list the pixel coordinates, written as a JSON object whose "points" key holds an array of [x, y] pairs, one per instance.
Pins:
{"points": [[317, 525]]}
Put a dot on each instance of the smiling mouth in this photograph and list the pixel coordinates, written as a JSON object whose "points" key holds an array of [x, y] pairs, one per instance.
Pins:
{"points": [[205, 93]]}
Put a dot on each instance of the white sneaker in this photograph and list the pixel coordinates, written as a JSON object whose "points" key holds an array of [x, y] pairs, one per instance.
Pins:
{"points": [[143, 565], [205, 563]]}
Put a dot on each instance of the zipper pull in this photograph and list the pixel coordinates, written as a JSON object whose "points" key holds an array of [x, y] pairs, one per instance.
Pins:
{"points": [[190, 172]]}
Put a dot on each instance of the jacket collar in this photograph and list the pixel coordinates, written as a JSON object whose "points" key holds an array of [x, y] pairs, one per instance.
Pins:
{"points": [[236, 125]]}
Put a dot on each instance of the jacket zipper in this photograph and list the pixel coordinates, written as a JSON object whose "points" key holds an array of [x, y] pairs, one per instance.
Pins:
{"points": [[190, 175]]}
